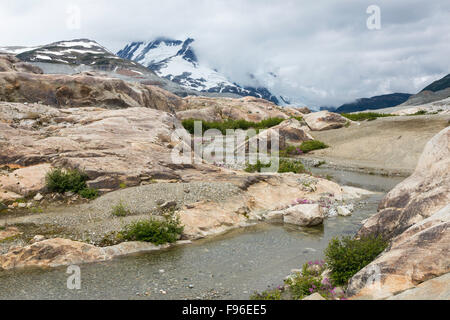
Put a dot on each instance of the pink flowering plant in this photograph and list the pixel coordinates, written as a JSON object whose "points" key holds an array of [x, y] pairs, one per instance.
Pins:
{"points": [[310, 281]]}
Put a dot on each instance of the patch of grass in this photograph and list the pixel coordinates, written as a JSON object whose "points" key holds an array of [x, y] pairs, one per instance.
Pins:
{"points": [[251, 168], [119, 210], [419, 113], [188, 124], [37, 210], [89, 193], [308, 146], [361, 116], [300, 119], [274, 294], [70, 180], [346, 256], [290, 151], [155, 231], [305, 147], [123, 185], [291, 166], [321, 163], [284, 166]]}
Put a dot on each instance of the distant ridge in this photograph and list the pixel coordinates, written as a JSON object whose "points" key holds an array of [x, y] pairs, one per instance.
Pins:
{"points": [[374, 103]]}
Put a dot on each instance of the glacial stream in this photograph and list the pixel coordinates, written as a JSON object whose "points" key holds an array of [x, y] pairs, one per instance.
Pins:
{"points": [[231, 266]]}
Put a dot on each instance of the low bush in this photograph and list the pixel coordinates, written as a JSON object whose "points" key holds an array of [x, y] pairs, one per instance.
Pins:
{"points": [[302, 284], [188, 124], [308, 146], [274, 294], [291, 166], [155, 231], [361, 116], [308, 281], [70, 180], [284, 165], [89, 193], [256, 167], [419, 113], [300, 119], [346, 256], [305, 147], [119, 210], [291, 151], [62, 181]]}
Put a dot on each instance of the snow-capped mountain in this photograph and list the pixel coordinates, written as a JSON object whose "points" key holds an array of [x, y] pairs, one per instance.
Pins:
{"points": [[73, 52], [78, 55], [176, 60]]}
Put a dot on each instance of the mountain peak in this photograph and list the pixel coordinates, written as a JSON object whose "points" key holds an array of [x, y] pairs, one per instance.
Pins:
{"points": [[176, 60]]}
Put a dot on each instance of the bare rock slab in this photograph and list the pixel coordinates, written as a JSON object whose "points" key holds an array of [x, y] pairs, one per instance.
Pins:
{"points": [[305, 215]]}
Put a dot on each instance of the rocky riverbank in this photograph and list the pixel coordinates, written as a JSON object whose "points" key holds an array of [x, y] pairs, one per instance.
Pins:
{"points": [[123, 136], [414, 216]]}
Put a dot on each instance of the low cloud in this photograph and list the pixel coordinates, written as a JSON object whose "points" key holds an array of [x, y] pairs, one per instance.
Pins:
{"points": [[322, 52]]}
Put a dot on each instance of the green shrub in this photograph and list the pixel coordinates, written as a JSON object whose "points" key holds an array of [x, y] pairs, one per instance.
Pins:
{"points": [[89, 193], [365, 116], [61, 181], [256, 167], [419, 113], [346, 256], [119, 210], [305, 147], [290, 151], [188, 124], [300, 119], [286, 165], [155, 231], [308, 146], [70, 180]]}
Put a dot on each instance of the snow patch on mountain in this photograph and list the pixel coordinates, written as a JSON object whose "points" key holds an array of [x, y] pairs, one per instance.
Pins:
{"points": [[176, 60]]}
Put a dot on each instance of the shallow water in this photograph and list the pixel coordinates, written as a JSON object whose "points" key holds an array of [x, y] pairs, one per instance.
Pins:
{"points": [[361, 180], [231, 266]]}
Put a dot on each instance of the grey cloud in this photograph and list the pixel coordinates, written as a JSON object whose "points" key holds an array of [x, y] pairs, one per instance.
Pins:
{"points": [[321, 50]]}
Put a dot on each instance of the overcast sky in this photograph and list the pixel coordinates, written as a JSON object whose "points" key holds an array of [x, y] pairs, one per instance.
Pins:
{"points": [[322, 51]]}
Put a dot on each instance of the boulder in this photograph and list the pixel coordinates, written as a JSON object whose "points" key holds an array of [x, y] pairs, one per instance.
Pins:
{"points": [[305, 215], [26, 181], [219, 109], [434, 289], [9, 63], [111, 146], [424, 193], [289, 132], [324, 120], [415, 216], [344, 211], [9, 232], [51, 253], [38, 197], [420, 253], [37, 238], [81, 90], [314, 296]]}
